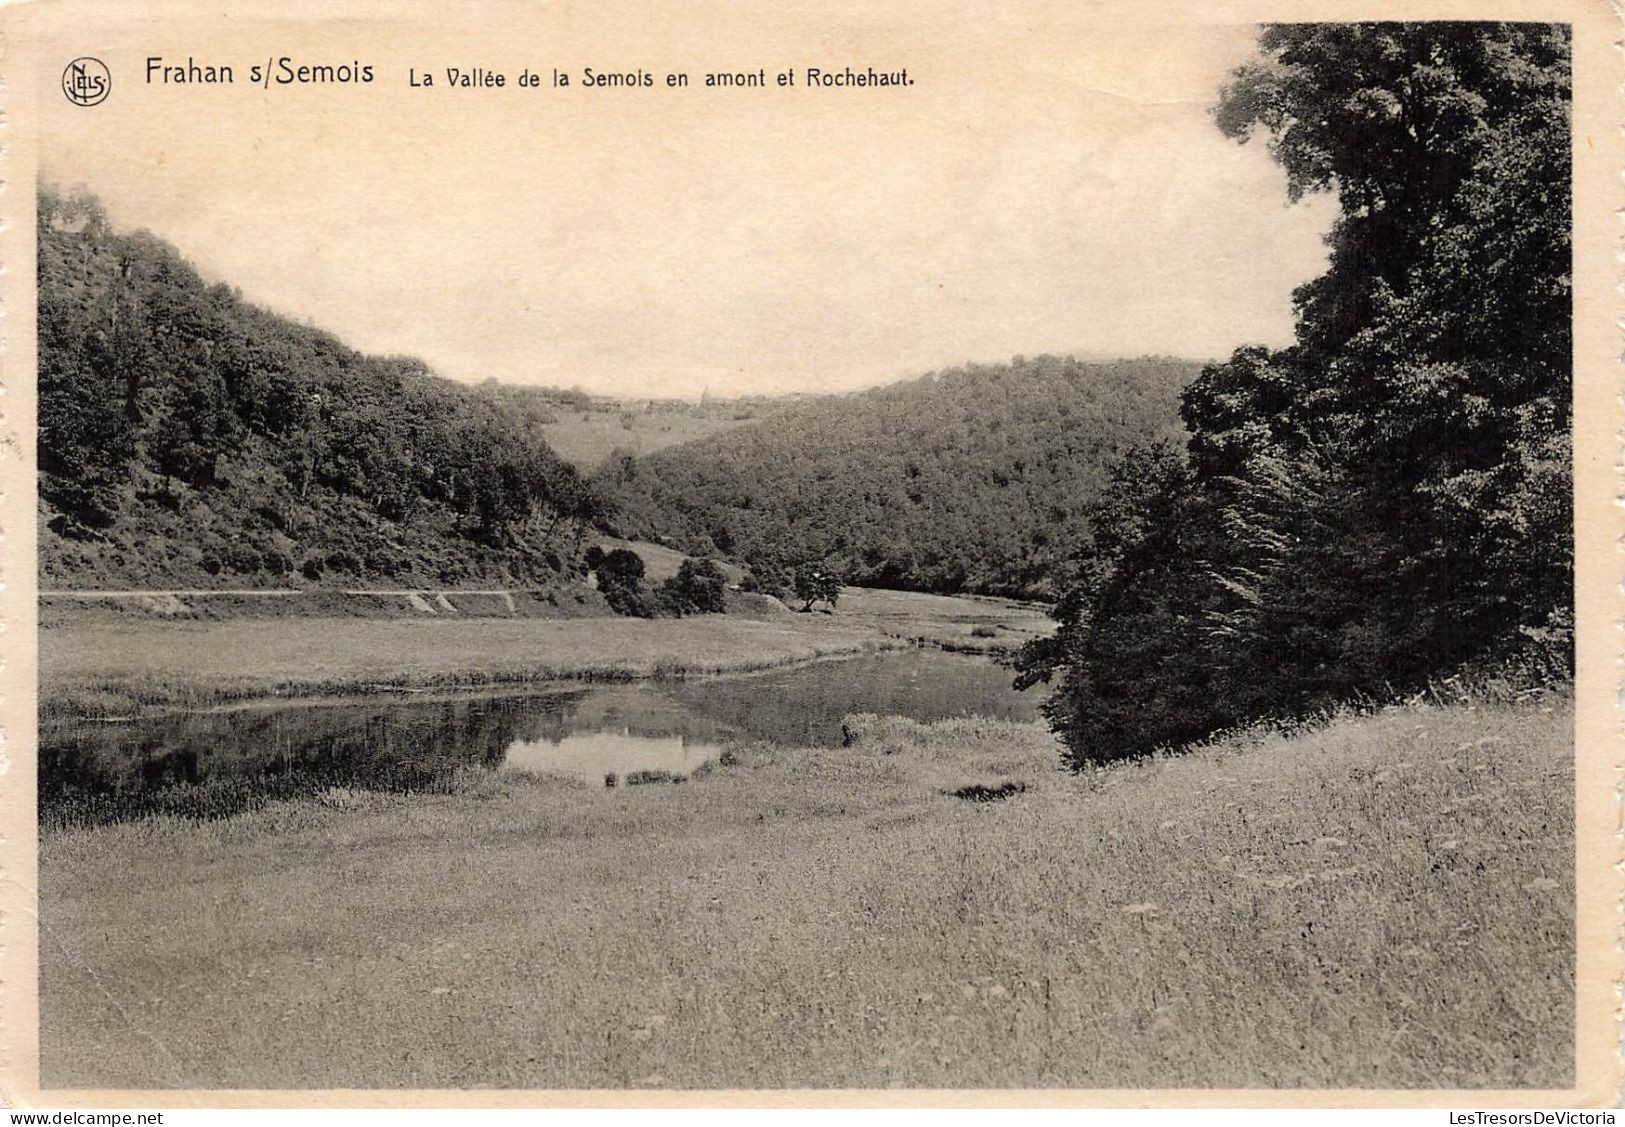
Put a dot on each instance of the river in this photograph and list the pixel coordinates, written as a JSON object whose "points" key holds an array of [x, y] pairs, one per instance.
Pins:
{"points": [[216, 763]]}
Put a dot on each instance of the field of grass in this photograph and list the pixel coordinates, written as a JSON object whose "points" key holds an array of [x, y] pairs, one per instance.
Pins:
{"points": [[586, 438], [1383, 902], [966, 624], [116, 668]]}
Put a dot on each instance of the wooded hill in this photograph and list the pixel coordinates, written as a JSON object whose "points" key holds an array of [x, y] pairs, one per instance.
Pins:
{"points": [[980, 479], [190, 438], [187, 438]]}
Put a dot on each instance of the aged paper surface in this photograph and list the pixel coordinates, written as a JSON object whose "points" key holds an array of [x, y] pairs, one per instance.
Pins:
{"points": [[862, 194]]}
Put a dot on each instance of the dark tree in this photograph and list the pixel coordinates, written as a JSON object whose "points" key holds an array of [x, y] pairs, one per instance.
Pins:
{"points": [[699, 587], [620, 580], [1388, 498]]}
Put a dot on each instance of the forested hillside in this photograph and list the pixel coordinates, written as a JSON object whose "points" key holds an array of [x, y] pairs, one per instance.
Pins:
{"points": [[187, 437], [1389, 499], [980, 479]]}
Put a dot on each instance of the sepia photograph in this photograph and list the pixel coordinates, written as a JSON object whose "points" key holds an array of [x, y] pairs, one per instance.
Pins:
{"points": [[874, 548]]}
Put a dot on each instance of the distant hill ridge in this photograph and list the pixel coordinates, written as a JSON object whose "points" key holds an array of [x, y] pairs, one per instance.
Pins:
{"points": [[976, 479], [189, 439]]}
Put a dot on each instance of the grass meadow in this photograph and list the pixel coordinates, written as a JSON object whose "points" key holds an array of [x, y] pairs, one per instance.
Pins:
{"points": [[966, 624], [587, 438], [117, 668], [1386, 901]]}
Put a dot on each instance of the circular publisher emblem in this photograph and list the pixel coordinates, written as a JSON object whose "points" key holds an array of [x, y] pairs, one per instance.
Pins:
{"points": [[86, 81]]}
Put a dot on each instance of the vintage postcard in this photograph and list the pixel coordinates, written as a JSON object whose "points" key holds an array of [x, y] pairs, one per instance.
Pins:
{"points": [[848, 553]]}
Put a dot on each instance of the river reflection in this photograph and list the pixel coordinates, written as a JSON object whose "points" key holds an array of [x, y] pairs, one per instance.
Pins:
{"points": [[594, 755], [212, 764]]}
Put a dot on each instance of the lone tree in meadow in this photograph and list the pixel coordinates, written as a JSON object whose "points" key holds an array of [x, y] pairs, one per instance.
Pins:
{"points": [[816, 583]]}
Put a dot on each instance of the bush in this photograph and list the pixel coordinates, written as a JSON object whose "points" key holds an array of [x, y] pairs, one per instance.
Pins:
{"points": [[276, 562], [699, 587], [384, 561], [620, 580], [626, 598], [642, 778], [620, 564], [344, 562], [981, 792], [764, 581], [241, 559]]}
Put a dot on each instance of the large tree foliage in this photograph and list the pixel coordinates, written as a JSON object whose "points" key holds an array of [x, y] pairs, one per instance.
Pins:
{"points": [[620, 580], [1389, 497], [186, 435], [816, 583]]}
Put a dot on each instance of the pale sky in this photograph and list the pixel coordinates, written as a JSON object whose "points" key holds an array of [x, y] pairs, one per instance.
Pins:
{"points": [[1039, 189]]}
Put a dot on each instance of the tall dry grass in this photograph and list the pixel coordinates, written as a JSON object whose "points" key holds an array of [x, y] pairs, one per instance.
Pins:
{"points": [[1385, 901]]}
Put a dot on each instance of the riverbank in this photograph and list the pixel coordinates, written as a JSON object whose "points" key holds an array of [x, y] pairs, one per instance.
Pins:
{"points": [[122, 668], [1386, 902], [108, 670]]}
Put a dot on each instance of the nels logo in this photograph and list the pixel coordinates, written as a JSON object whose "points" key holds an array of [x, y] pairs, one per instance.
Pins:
{"points": [[86, 81]]}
